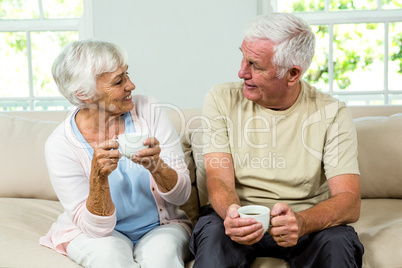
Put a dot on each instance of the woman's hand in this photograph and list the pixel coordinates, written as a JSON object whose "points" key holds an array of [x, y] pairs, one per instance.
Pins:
{"points": [[165, 177], [149, 158], [105, 158]]}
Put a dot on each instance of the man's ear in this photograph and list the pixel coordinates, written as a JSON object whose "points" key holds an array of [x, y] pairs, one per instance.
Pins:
{"points": [[294, 75]]}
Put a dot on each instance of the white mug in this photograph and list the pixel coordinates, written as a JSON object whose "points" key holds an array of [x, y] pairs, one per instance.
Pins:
{"points": [[131, 143], [260, 213]]}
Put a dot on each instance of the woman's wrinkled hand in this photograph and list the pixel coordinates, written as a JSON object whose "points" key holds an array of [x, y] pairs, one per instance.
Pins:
{"points": [[148, 157], [105, 158]]}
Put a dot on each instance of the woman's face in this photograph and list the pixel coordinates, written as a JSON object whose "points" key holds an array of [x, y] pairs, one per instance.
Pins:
{"points": [[115, 91]]}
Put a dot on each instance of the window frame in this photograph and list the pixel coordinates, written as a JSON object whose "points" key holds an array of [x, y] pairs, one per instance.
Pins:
{"points": [[332, 18], [81, 25]]}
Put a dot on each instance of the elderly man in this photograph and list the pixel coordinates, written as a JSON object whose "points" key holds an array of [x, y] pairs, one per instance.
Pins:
{"points": [[274, 140]]}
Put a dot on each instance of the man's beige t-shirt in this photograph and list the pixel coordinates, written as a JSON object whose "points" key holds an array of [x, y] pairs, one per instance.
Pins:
{"points": [[281, 156]]}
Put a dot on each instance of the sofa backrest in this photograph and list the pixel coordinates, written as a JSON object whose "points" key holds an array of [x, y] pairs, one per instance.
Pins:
{"points": [[380, 156], [23, 171]]}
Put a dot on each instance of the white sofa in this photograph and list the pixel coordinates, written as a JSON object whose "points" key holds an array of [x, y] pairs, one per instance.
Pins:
{"points": [[28, 204]]}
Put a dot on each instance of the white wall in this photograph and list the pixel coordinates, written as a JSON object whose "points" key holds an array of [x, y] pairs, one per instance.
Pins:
{"points": [[177, 49]]}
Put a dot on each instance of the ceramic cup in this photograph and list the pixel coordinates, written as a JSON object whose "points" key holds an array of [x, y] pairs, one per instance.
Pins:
{"points": [[131, 143], [260, 213]]}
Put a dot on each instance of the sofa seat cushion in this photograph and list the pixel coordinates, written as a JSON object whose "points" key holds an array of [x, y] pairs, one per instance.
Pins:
{"points": [[380, 231], [22, 222]]}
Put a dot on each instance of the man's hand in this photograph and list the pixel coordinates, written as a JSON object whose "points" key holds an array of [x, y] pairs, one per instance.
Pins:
{"points": [[245, 231], [286, 225]]}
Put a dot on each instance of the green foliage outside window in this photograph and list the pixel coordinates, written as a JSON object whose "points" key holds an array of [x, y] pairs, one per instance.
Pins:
{"points": [[397, 56]]}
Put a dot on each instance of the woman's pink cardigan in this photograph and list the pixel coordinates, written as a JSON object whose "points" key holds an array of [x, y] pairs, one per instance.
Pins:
{"points": [[69, 169]]}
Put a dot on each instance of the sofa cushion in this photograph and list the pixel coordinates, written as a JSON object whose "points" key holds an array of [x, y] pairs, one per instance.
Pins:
{"points": [[197, 144], [380, 230], [22, 159], [380, 154], [191, 207], [23, 221]]}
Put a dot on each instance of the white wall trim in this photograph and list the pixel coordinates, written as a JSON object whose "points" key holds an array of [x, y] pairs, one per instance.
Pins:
{"points": [[86, 29], [38, 25], [342, 17]]}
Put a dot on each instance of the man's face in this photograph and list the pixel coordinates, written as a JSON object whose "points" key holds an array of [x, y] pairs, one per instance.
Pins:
{"points": [[259, 74]]}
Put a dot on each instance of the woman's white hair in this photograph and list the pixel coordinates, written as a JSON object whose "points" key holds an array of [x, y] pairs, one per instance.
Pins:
{"points": [[294, 41], [78, 65]]}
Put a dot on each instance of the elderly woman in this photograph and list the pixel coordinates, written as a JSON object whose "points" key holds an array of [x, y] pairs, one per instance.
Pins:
{"points": [[118, 212]]}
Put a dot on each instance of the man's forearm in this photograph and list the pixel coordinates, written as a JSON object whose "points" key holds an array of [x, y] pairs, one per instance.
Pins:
{"points": [[221, 196], [343, 208]]}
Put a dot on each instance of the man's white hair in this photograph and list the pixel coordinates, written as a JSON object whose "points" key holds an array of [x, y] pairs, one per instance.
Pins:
{"points": [[294, 41]]}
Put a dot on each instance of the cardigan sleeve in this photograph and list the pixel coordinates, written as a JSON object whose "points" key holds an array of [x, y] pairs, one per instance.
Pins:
{"points": [[69, 170], [161, 127]]}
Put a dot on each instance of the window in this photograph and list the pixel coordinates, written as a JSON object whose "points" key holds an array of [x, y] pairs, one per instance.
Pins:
{"points": [[359, 47], [32, 33]]}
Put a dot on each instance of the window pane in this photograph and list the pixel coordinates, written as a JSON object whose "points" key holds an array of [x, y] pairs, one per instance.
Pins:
{"points": [[356, 100], [62, 8], [300, 6], [19, 9], [358, 57], [337, 5], [14, 80], [317, 74], [51, 105], [395, 57], [18, 105], [395, 99], [391, 4], [45, 48]]}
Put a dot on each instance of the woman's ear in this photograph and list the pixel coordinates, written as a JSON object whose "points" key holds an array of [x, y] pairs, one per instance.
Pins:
{"points": [[82, 96], [294, 75]]}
